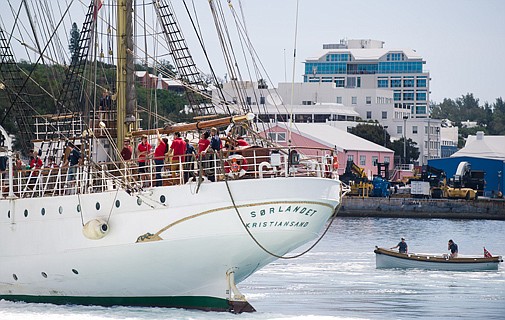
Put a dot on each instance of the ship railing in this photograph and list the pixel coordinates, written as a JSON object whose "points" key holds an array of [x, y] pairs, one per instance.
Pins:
{"points": [[247, 163]]}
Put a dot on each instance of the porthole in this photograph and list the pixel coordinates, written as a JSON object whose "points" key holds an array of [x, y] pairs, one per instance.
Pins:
{"points": [[97, 206], [43, 211], [139, 201], [26, 212], [8, 214], [15, 277], [75, 271], [78, 208], [162, 198], [44, 274], [60, 210], [118, 203]]}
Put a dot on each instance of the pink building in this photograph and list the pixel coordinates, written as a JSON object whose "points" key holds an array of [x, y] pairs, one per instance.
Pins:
{"points": [[349, 147]]}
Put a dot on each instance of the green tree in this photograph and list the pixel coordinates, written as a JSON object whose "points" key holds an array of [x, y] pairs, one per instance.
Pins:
{"points": [[372, 132], [411, 150], [73, 46], [497, 122]]}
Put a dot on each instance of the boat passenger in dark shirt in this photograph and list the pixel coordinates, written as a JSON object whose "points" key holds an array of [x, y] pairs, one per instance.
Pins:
{"points": [[402, 246], [454, 249]]}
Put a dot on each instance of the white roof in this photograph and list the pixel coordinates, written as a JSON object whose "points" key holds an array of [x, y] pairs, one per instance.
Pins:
{"points": [[331, 137], [490, 147], [170, 82], [367, 54], [320, 108]]}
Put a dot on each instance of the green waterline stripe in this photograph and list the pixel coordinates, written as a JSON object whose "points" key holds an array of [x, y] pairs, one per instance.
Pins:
{"points": [[186, 302]]}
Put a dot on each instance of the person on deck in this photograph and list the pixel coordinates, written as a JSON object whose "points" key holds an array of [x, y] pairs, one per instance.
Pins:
{"points": [[159, 158], [177, 150], [73, 159], [127, 150], [203, 143], [189, 160], [402, 246], [454, 249], [143, 150]]}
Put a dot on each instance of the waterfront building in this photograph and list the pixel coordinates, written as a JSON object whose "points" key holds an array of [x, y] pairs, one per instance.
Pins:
{"points": [[348, 146], [483, 153], [365, 64]]}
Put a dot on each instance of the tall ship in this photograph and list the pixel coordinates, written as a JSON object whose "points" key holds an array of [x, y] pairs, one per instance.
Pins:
{"points": [[85, 223]]}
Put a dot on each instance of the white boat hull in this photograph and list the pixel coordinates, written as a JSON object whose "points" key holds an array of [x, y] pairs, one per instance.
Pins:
{"points": [[177, 253], [427, 262]]}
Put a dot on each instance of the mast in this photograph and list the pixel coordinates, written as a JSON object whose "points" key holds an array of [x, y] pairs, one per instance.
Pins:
{"points": [[125, 90]]}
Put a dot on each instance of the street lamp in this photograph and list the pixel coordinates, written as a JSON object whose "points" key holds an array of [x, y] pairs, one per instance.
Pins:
{"points": [[385, 131], [405, 139]]}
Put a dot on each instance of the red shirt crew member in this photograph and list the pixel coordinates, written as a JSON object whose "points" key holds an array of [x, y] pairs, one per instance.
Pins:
{"points": [[143, 148]]}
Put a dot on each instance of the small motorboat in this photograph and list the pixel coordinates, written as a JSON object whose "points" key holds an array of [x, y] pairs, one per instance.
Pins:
{"points": [[392, 259]]}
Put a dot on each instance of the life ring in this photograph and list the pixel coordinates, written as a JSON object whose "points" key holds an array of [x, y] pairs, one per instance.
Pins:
{"points": [[335, 163], [235, 164]]}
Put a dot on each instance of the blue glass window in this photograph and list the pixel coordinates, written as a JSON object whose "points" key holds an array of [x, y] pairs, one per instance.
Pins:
{"points": [[408, 83], [339, 82], [401, 67], [408, 95], [312, 68], [397, 95], [362, 68], [421, 82], [396, 83], [382, 83], [395, 56], [421, 109], [338, 57], [421, 95]]}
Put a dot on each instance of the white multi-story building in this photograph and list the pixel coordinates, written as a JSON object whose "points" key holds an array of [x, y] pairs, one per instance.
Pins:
{"points": [[366, 64]]}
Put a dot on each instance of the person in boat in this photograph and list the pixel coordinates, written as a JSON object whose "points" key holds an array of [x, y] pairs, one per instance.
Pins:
{"points": [[177, 151], [402, 246], [143, 150], [454, 249], [159, 158]]}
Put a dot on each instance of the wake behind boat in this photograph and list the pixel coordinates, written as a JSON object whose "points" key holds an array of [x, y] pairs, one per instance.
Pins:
{"points": [[391, 259]]}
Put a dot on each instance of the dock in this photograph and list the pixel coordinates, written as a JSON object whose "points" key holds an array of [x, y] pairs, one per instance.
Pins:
{"points": [[491, 209]]}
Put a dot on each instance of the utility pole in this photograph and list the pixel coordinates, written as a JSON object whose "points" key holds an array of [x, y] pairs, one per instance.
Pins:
{"points": [[405, 139]]}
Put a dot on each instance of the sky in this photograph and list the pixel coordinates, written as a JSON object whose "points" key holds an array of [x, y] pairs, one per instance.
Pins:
{"points": [[462, 41]]}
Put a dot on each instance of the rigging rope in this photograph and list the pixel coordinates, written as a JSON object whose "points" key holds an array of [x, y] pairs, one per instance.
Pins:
{"points": [[337, 209]]}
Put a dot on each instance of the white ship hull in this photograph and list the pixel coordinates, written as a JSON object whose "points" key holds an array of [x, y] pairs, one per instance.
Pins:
{"points": [[178, 253]]}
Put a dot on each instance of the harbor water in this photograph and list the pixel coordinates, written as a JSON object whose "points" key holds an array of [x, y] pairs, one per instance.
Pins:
{"points": [[338, 279]]}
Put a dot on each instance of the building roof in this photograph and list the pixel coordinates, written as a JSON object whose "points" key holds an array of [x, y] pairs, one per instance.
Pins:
{"points": [[168, 81], [367, 54], [318, 108], [482, 146], [331, 137]]}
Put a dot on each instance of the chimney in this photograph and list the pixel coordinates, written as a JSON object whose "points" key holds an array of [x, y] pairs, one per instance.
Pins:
{"points": [[480, 135]]}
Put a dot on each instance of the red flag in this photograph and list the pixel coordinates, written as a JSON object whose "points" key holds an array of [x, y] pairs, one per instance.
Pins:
{"points": [[487, 254], [97, 6]]}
